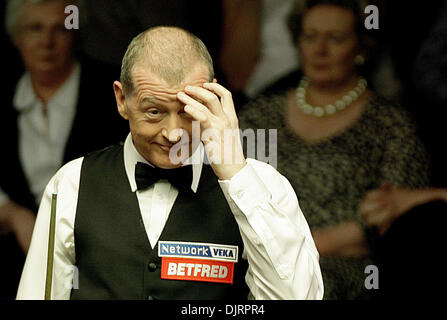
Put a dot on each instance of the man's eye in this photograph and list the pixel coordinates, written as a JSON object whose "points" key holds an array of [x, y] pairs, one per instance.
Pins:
{"points": [[153, 112]]}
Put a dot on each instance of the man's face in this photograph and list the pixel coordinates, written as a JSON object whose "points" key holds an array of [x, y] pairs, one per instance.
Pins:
{"points": [[154, 113], [44, 43]]}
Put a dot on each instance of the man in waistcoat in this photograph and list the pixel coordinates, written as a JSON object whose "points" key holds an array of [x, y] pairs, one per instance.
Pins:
{"points": [[149, 219]]}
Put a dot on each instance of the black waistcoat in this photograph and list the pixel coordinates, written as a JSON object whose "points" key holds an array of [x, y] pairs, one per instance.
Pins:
{"points": [[113, 254]]}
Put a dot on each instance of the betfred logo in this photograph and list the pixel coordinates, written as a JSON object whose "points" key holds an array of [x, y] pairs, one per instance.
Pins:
{"points": [[197, 270]]}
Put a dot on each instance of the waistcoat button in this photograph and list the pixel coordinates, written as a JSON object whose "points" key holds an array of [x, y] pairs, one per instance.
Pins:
{"points": [[152, 267]]}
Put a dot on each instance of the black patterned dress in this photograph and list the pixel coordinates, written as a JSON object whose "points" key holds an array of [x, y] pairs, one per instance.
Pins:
{"points": [[331, 177]]}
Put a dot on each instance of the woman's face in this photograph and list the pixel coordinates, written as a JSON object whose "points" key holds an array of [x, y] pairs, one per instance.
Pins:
{"points": [[45, 45], [328, 44]]}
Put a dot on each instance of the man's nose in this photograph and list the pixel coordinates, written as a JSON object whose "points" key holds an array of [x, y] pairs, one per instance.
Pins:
{"points": [[173, 130]]}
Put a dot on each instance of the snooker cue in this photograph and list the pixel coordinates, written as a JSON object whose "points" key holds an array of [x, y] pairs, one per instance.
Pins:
{"points": [[50, 256]]}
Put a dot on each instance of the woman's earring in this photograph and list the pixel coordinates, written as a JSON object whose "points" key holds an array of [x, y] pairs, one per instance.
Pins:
{"points": [[359, 60]]}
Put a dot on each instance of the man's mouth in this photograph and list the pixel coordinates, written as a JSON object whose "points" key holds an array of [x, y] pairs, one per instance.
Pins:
{"points": [[165, 147]]}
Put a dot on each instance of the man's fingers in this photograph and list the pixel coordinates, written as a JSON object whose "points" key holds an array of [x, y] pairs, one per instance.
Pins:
{"points": [[196, 113], [208, 98], [194, 105], [225, 95]]}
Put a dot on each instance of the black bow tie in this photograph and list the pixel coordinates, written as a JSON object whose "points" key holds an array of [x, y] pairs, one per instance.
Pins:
{"points": [[146, 175]]}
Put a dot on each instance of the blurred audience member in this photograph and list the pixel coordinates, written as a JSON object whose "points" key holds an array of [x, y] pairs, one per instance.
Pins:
{"points": [[55, 111], [379, 70], [411, 224], [337, 138]]}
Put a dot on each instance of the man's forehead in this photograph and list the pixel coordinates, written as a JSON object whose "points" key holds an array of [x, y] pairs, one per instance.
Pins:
{"points": [[148, 88], [143, 76]]}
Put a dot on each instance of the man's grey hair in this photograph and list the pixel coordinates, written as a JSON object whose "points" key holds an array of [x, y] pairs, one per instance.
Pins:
{"points": [[14, 10], [170, 53]]}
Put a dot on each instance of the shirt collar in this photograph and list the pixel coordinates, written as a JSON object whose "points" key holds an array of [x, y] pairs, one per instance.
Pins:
{"points": [[66, 95], [24, 96], [132, 156], [68, 92]]}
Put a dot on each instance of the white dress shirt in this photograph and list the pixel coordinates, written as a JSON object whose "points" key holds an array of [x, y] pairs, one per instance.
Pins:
{"points": [[282, 257], [161, 196], [42, 140]]}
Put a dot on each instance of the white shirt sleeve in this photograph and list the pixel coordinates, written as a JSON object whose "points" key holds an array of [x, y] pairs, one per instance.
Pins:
{"points": [[282, 256], [32, 283]]}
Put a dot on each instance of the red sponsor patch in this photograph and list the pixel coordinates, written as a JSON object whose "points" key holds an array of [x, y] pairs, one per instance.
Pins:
{"points": [[197, 270]]}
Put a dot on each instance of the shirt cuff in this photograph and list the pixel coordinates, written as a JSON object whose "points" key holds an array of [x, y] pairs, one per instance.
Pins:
{"points": [[245, 188]]}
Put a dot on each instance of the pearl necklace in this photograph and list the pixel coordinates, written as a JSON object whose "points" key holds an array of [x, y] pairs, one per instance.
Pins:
{"points": [[330, 109]]}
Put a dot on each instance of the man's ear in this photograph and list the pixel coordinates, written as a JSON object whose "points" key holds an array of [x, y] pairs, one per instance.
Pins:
{"points": [[120, 99]]}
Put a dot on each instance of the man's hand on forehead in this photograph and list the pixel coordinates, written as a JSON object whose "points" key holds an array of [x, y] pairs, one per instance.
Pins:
{"points": [[212, 105], [197, 96]]}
